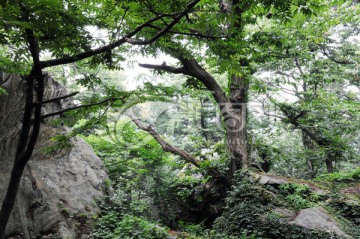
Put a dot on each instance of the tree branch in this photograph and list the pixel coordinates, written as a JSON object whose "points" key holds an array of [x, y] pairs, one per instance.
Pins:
{"points": [[60, 98], [165, 145], [164, 67], [195, 34], [81, 106], [298, 66], [332, 58], [274, 115], [192, 68], [166, 29], [177, 151], [125, 39]]}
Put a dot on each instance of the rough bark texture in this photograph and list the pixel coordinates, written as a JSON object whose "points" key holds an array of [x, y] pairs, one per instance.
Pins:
{"points": [[52, 188], [236, 124]]}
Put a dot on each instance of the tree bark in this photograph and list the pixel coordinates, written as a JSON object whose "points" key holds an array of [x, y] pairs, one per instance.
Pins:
{"points": [[236, 124]]}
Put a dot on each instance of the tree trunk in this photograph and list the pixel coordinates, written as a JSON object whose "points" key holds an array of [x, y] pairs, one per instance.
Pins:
{"points": [[235, 123], [329, 165], [314, 135], [239, 84], [29, 131], [309, 144]]}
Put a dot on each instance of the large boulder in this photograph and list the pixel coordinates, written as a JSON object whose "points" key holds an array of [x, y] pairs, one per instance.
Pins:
{"points": [[58, 193], [317, 218]]}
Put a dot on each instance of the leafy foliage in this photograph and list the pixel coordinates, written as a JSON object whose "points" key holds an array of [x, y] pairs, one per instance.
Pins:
{"points": [[299, 196]]}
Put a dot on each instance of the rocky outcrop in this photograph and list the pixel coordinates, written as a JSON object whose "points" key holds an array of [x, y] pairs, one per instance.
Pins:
{"points": [[317, 218], [312, 218], [274, 180], [58, 192], [352, 191]]}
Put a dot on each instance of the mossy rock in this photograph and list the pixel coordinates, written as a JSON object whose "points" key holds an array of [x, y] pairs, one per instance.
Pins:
{"points": [[252, 209]]}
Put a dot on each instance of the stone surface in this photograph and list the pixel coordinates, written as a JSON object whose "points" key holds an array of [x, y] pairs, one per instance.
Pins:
{"points": [[316, 218], [352, 191], [268, 179], [285, 215], [54, 189]]}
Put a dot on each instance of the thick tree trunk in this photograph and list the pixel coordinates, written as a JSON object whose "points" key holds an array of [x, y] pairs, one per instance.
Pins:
{"points": [[236, 136], [235, 123]]}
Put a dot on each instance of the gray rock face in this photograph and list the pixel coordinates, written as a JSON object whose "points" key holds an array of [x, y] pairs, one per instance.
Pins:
{"points": [[316, 218], [273, 180], [58, 193]]}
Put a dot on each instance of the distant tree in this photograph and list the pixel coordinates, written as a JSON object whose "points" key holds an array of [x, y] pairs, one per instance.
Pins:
{"points": [[317, 67]]}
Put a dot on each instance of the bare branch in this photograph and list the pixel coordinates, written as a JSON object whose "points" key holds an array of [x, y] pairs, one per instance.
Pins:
{"points": [[82, 106], [165, 145], [177, 151], [298, 66], [60, 98], [164, 67]]}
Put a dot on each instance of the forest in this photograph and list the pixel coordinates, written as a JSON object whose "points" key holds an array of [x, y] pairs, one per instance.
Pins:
{"points": [[181, 119]]}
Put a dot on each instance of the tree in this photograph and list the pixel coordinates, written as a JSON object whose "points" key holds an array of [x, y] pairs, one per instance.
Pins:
{"points": [[317, 70], [229, 52], [30, 28]]}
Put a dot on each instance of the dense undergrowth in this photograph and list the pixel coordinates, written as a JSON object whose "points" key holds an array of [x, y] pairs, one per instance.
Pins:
{"points": [[249, 212]]}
